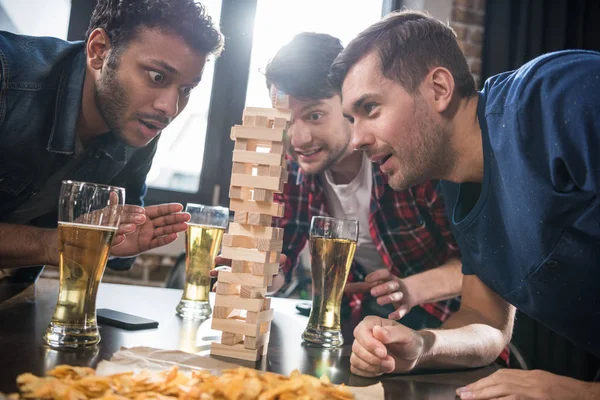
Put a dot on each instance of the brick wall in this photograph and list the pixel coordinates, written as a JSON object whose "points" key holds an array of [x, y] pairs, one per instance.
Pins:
{"points": [[467, 19]]}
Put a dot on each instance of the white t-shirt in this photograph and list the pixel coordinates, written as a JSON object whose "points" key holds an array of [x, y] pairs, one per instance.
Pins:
{"points": [[352, 201]]}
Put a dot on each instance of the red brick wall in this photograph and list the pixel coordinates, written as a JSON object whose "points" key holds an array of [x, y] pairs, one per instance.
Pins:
{"points": [[467, 20]]}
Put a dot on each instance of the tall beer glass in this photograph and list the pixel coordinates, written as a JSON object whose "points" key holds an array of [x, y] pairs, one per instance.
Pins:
{"points": [[88, 218], [202, 244], [332, 247]]}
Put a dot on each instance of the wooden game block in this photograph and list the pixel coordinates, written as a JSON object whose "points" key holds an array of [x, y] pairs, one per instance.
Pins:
{"points": [[277, 148], [248, 120], [255, 230], [253, 317], [268, 170], [260, 182], [226, 312], [280, 123], [241, 168], [259, 219], [240, 217], [262, 195], [241, 278], [234, 301], [250, 292], [252, 157], [248, 242], [230, 338], [236, 351], [239, 132], [235, 326], [240, 253], [275, 209], [266, 303], [228, 288], [261, 121], [271, 113], [251, 342], [254, 267]]}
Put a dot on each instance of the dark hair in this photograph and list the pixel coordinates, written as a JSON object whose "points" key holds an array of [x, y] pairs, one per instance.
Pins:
{"points": [[300, 68], [121, 19], [409, 44]]}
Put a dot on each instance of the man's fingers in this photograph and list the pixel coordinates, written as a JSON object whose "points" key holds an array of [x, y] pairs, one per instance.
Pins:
{"points": [[132, 209], [364, 367], [399, 313], [379, 275], [282, 259], [390, 298], [385, 288], [358, 287], [168, 229], [171, 219], [132, 218], [397, 335], [163, 209], [359, 372], [117, 240], [493, 392], [363, 333], [162, 240], [365, 355], [126, 229]]}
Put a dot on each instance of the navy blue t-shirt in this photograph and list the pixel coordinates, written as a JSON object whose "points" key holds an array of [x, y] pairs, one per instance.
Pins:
{"points": [[531, 230]]}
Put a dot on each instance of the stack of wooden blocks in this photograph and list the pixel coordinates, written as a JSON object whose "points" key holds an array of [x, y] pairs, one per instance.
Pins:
{"points": [[241, 310]]}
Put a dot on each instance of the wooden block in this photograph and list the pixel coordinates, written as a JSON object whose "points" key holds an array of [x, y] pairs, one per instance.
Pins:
{"points": [[240, 253], [248, 120], [249, 292], [240, 193], [248, 242], [240, 217], [235, 326], [275, 209], [279, 172], [236, 351], [234, 301], [230, 338], [259, 317], [261, 121], [280, 123], [225, 312], [260, 182], [255, 230], [245, 156], [241, 168], [251, 342], [266, 303], [241, 144], [265, 327], [264, 170], [263, 134], [241, 278], [228, 288], [277, 148], [262, 195], [259, 219], [254, 267], [272, 113]]}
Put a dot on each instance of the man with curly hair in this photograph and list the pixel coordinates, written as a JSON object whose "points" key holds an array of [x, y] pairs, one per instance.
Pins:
{"points": [[93, 111]]}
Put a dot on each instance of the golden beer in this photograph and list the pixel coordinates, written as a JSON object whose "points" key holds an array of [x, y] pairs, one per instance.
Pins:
{"points": [[202, 246], [83, 252], [330, 264]]}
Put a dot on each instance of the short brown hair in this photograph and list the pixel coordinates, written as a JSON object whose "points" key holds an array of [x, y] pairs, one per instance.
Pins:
{"points": [[409, 43]]}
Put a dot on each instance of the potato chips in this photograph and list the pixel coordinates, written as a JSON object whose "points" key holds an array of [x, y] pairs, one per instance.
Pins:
{"points": [[75, 383]]}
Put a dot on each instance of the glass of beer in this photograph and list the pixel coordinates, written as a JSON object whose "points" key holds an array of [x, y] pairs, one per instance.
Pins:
{"points": [[202, 244], [332, 246], [88, 219]]}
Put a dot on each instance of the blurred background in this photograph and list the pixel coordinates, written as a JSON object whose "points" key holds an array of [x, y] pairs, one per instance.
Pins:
{"points": [[193, 162]]}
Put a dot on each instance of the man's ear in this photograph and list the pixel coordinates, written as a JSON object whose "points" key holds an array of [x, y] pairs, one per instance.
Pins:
{"points": [[440, 85], [98, 47]]}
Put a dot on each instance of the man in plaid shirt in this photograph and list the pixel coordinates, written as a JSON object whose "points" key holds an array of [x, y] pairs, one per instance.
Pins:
{"points": [[406, 258]]}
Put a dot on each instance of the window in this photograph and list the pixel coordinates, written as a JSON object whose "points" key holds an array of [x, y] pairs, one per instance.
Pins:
{"points": [[177, 165], [278, 21], [36, 17]]}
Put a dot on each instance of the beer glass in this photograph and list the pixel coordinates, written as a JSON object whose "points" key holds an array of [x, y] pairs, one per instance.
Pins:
{"points": [[202, 244], [332, 246], [88, 219]]}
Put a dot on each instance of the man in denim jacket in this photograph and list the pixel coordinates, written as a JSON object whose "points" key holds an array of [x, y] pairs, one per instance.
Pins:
{"points": [[93, 111]]}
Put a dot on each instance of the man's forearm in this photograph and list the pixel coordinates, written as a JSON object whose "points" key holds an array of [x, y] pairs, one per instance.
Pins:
{"points": [[441, 283], [467, 339], [22, 246]]}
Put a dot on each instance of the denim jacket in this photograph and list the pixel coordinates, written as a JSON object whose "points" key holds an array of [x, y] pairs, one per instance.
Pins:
{"points": [[41, 84]]}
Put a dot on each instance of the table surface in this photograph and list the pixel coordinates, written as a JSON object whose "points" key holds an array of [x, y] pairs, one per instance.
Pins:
{"points": [[25, 316]]}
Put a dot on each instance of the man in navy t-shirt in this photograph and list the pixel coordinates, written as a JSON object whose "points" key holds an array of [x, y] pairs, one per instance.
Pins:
{"points": [[523, 176]]}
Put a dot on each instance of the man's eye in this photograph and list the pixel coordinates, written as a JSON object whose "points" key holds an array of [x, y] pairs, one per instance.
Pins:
{"points": [[156, 77], [187, 91], [315, 116], [370, 107], [349, 118]]}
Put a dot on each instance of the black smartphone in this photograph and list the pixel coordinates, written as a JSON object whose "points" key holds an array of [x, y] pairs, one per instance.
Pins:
{"points": [[124, 320], [304, 308]]}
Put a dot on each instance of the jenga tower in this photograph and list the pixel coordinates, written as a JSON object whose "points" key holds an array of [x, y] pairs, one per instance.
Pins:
{"points": [[241, 309]]}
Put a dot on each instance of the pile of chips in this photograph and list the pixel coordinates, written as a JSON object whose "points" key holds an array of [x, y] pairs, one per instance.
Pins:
{"points": [[76, 383]]}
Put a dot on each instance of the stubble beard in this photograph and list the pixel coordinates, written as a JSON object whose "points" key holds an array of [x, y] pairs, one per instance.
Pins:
{"points": [[111, 100]]}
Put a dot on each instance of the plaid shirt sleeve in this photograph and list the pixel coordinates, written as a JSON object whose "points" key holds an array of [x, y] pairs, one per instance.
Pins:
{"points": [[295, 221], [430, 197]]}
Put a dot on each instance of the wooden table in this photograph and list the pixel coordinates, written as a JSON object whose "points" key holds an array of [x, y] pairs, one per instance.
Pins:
{"points": [[24, 318]]}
